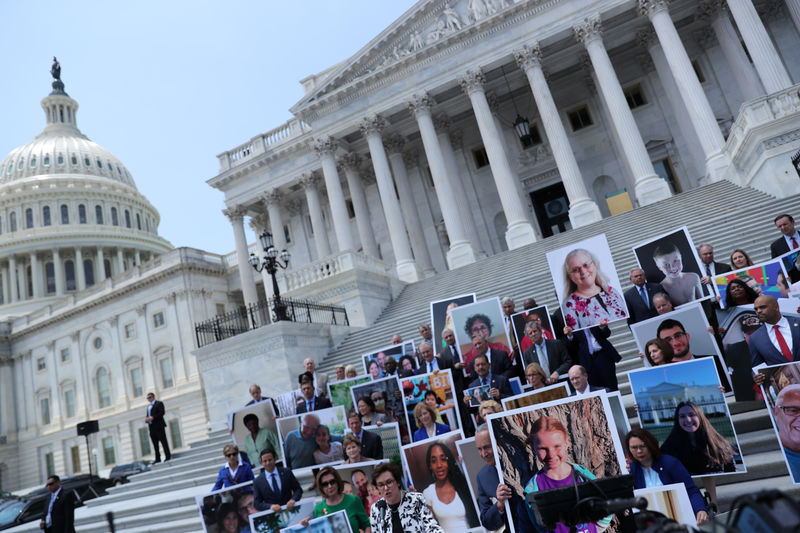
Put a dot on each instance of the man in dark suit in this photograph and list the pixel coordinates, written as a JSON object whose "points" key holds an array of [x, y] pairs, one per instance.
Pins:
{"points": [[551, 354], [499, 360], [500, 387], [709, 267], [778, 339], [639, 298], [491, 494], [579, 379], [157, 426], [310, 401], [59, 515], [430, 363], [276, 486], [789, 240], [450, 353], [320, 380], [596, 354], [371, 444]]}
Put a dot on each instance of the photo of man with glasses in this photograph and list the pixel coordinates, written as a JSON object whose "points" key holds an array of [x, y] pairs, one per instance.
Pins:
{"points": [[787, 419]]}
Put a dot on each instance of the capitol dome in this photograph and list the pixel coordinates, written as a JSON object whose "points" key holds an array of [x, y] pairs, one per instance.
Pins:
{"points": [[70, 213]]}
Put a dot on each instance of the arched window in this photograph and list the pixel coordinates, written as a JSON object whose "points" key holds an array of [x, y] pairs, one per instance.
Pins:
{"points": [[127, 219], [12, 221], [114, 217], [64, 214], [98, 214], [28, 218], [138, 222], [82, 214], [88, 272], [103, 387], [46, 215], [69, 269], [50, 272]]}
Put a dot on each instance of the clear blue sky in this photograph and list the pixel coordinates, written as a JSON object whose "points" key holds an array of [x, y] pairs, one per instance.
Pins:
{"points": [[166, 86]]}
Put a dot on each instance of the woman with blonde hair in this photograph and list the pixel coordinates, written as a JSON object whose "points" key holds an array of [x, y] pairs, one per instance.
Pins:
{"points": [[425, 416]]}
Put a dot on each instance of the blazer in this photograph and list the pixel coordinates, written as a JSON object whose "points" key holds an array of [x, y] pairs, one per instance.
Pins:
{"points": [[763, 351], [320, 402], [421, 434], [601, 335], [633, 299], [263, 495], [224, 479], [592, 388], [498, 382], [62, 516], [499, 363], [778, 247], [157, 412], [557, 356], [371, 445], [670, 470], [415, 516], [490, 516]]}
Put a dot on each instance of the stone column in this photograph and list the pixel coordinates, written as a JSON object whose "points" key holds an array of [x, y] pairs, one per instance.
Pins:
{"points": [[22, 273], [694, 99], [519, 231], [794, 11], [236, 216], [394, 147], [349, 163], [58, 269], [36, 274], [649, 186], [461, 251], [582, 209], [6, 287], [100, 269], [407, 269], [309, 183], [766, 60], [120, 261], [325, 149], [442, 124], [715, 13], [80, 275], [137, 257], [272, 201]]}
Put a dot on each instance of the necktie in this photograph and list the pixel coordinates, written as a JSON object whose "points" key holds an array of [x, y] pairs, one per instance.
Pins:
{"points": [[543, 362], [708, 270], [782, 343], [643, 292], [456, 357], [483, 381], [309, 406], [275, 488], [430, 367]]}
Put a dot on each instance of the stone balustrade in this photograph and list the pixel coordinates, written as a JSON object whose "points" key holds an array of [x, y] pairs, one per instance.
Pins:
{"points": [[329, 267], [260, 144], [761, 112]]}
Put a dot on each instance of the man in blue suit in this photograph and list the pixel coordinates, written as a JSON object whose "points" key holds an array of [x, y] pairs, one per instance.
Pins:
{"points": [[639, 298], [276, 486], [778, 339], [310, 401], [579, 379], [499, 385]]}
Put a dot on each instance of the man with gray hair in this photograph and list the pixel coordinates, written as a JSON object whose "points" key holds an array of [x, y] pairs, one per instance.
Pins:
{"points": [[508, 310], [551, 354], [787, 417]]}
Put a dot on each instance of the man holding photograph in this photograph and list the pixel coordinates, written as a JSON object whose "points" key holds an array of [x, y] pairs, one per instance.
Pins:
{"points": [[551, 355], [639, 298], [778, 339]]}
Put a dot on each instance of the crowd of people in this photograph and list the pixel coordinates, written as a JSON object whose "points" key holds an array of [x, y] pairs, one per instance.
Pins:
{"points": [[573, 347]]}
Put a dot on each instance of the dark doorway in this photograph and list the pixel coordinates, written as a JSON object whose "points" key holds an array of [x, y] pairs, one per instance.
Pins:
{"points": [[552, 209]]}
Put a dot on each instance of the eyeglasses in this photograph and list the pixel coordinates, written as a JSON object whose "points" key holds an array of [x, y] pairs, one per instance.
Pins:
{"points": [[676, 336], [246, 507], [586, 266], [790, 410], [231, 454], [638, 448], [50, 483], [328, 483], [386, 485]]}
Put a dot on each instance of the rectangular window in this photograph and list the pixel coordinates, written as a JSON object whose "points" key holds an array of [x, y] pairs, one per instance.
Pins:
{"points": [[50, 463], [287, 233], [144, 441], [158, 319], [130, 330], [580, 118], [65, 355], [663, 168], [69, 403], [635, 96], [136, 382], [480, 156], [166, 372], [175, 433], [44, 405], [109, 458], [220, 309], [41, 363], [75, 456]]}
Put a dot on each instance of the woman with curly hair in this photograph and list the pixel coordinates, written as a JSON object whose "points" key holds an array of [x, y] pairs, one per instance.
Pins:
{"points": [[448, 496], [738, 292]]}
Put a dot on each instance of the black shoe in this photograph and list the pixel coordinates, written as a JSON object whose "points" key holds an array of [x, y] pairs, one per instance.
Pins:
{"points": [[157, 461]]}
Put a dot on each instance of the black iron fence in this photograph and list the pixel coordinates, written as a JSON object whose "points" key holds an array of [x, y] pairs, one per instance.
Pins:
{"points": [[266, 312]]}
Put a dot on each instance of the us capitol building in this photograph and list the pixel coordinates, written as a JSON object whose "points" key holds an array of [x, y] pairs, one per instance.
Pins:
{"points": [[466, 128]]}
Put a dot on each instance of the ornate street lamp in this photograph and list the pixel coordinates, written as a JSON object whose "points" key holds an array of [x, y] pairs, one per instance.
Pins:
{"points": [[271, 263], [521, 124]]}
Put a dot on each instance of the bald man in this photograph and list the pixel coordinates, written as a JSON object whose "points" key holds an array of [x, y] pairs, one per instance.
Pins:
{"points": [[777, 341], [787, 418]]}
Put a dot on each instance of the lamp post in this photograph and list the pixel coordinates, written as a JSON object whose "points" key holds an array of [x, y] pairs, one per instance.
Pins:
{"points": [[271, 263]]}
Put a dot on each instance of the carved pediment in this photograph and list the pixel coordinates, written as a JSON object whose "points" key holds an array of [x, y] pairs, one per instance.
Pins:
{"points": [[421, 30]]}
